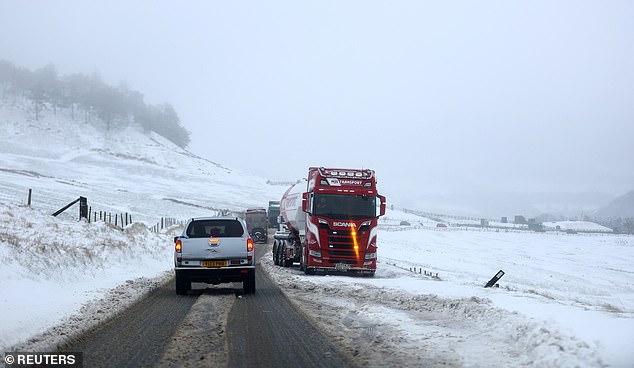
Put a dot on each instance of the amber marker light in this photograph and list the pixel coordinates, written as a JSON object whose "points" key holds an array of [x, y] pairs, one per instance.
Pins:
{"points": [[354, 240]]}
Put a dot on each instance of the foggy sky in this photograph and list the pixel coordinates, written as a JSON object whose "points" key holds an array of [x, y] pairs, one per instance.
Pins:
{"points": [[437, 97]]}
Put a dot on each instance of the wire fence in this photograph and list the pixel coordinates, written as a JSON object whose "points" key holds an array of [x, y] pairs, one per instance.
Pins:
{"points": [[166, 222], [466, 223], [9, 195], [49, 202]]}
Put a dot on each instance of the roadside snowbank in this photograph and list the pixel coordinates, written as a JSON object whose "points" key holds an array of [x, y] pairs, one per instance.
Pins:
{"points": [[412, 330], [51, 268]]}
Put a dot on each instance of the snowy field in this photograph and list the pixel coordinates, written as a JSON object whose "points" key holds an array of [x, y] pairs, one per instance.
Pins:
{"points": [[566, 300]]}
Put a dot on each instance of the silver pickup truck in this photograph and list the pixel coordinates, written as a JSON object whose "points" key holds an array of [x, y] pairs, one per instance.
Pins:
{"points": [[214, 250]]}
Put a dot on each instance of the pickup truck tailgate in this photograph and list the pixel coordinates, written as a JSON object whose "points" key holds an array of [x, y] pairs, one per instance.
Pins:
{"points": [[214, 248]]}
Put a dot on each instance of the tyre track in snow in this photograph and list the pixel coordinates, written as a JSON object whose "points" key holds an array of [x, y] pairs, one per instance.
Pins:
{"points": [[137, 336], [266, 330]]}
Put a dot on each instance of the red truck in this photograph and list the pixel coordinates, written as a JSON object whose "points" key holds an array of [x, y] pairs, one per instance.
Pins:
{"points": [[331, 222]]}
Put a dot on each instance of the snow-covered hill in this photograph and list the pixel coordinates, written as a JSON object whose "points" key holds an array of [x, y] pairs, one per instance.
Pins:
{"points": [[566, 300], [622, 206], [119, 171]]}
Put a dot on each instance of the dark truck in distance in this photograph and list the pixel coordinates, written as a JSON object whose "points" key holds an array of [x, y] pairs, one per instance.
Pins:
{"points": [[214, 250], [274, 212], [257, 224]]}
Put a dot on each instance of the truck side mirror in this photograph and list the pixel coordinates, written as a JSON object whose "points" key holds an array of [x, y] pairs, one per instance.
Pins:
{"points": [[305, 202], [382, 205]]}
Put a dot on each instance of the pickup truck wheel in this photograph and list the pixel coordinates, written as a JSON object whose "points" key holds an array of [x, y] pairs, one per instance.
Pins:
{"points": [[248, 285], [182, 284]]}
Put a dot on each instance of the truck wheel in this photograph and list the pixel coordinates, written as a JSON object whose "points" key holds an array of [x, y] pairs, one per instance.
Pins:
{"points": [[182, 284], [283, 254], [307, 271], [302, 259], [258, 236], [276, 258], [248, 285]]}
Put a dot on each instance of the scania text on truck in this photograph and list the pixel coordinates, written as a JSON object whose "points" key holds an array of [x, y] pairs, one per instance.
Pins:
{"points": [[331, 222]]}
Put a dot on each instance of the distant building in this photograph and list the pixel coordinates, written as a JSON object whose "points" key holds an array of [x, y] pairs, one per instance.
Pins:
{"points": [[505, 220], [519, 219], [535, 226]]}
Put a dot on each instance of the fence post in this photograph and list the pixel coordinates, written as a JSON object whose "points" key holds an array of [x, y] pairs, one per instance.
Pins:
{"points": [[83, 207], [29, 198], [89, 214]]}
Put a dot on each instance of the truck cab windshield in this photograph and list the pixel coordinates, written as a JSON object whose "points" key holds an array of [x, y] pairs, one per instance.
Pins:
{"points": [[344, 206]]}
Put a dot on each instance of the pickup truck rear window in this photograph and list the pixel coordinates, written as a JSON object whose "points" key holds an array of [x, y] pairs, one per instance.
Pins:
{"points": [[216, 228]]}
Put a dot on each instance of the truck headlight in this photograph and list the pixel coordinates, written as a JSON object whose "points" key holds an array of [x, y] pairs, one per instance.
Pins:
{"points": [[370, 256], [315, 253]]}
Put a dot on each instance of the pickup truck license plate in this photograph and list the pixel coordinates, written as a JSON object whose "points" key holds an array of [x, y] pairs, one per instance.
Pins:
{"points": [[214, 263]]}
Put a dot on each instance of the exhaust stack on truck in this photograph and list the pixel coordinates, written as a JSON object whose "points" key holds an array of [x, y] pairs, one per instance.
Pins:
{"points": [[331, 222]]}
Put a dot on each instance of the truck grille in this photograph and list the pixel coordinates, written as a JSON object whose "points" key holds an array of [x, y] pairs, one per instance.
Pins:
{"points": [[340, 244]]}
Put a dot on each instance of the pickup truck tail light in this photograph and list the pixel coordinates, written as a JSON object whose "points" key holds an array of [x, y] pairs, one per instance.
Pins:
{"points": [[178, 246], [249, 248]]}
